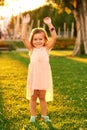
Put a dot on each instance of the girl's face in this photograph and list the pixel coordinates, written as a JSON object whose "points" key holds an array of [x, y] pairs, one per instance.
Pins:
{"points": [[38, 40]]}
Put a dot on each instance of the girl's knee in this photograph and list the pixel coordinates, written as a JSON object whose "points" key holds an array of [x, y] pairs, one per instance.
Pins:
{"points": [[42, 95], [34, 96], [41, 98]]}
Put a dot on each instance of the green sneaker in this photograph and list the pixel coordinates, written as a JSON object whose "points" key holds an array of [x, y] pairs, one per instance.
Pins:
{"points": [[32, 119], [46, 118]]}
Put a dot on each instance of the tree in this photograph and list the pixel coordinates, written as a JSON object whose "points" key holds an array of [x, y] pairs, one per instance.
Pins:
{"points": [[1, 2], [79, 10], [49, 10]]}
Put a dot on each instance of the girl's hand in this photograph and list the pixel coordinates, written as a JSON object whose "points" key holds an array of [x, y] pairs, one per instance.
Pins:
{"points": [[47, 20], [26, 19]]}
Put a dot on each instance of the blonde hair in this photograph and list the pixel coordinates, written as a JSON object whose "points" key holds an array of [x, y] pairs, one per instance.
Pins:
{"points": [[35, 31]]}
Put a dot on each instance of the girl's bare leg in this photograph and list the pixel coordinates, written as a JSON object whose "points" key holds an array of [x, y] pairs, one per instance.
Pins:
{"points": [[42, 94], [33, 104]]}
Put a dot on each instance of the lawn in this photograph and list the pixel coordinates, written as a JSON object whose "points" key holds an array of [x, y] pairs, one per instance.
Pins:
{"points": [[68, 111]]}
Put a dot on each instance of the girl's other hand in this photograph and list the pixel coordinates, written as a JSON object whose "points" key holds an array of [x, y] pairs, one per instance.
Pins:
{"points": [[47, 20], [26, 19]]}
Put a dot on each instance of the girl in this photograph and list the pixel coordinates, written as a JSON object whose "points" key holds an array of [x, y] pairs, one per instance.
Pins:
{"points": [[39, 80]]}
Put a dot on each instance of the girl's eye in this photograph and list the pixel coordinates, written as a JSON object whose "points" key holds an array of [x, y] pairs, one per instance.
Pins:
{"points": [[35, 39]]}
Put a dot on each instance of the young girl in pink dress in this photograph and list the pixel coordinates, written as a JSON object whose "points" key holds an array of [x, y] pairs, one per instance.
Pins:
{"points": [[39, 80]]}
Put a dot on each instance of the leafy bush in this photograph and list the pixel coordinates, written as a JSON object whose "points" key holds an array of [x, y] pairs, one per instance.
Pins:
{"points": [[61, 44], [64, 43], [12, 45]]}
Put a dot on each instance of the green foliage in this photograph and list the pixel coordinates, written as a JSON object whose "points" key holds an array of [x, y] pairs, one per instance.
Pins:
{"points": [[64, 44], [61, 44], [64, 3], [12, 45], [68, 110], [58, 19]]}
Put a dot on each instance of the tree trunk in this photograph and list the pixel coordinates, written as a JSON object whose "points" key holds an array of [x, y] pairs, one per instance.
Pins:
{"points": [[76, 50], [81, 25], [83, 15], [80, 14]]}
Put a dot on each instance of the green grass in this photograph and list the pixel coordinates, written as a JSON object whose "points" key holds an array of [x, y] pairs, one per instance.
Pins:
{"points": [[68, 111]]}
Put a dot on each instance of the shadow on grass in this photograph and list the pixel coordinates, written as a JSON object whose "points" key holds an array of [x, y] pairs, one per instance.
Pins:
{"points": [[1, 109], [3, 119], [38, 126], [41, 126], [51, 126]]}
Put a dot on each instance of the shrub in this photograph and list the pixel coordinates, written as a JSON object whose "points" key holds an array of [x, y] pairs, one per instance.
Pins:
{"points": [[61, 44], [11, 45], [64, 43]]}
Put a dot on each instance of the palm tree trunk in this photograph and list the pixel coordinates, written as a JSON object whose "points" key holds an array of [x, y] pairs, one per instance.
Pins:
{"points": [[84, 24], [81, 25], [76, 50]]}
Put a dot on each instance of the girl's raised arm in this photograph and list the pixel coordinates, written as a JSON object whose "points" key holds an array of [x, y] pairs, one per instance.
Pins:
{"points": [[53, 38], [26, 20]]}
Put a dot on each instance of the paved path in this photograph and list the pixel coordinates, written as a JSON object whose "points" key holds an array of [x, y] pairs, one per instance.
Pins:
{"points": [[21, 49]]}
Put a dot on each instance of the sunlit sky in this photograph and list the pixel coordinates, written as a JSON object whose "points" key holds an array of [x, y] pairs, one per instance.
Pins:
{"points": [[16, 6]]}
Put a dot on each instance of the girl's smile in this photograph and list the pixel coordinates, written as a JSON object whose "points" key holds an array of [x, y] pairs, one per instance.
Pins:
{"points": [[39, 40]]}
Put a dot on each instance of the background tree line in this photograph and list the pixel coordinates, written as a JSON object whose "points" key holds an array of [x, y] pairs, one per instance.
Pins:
{"points": [[57, 9], [57, 17], [79, 11]]}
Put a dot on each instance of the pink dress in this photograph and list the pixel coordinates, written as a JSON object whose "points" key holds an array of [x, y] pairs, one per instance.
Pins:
{"points": [[39, 73]]}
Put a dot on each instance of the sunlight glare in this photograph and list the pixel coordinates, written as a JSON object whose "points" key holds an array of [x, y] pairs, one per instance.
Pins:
{"points": [[14, 7]]}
